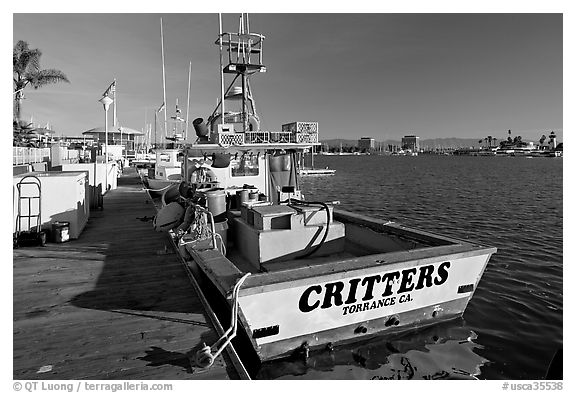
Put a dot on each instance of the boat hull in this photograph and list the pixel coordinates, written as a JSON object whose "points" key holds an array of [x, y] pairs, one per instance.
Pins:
{"points": [[157, 187], [337, 308], [409, 320], [316, 172], [300, 303]]}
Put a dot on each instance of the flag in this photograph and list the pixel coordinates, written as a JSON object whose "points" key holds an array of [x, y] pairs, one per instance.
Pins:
{"points": [[110, 89], [178, 111], [161, 107]]}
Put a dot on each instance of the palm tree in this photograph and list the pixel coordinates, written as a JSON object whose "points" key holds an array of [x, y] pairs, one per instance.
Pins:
{"points": [[26, 71], [542, 139]]}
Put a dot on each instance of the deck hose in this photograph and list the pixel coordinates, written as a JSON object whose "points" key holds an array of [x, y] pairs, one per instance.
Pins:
{"points": [[297, 202]]}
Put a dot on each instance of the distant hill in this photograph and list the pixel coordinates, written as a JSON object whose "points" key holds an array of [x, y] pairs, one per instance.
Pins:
{"points": [[424, 143]]}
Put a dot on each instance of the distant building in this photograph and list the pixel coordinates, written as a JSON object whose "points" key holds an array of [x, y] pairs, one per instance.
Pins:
{"points": [[411, 142], [366, 143], [84, 140], [122, 136]]}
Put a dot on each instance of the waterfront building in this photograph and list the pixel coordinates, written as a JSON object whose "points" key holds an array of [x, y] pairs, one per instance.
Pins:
{"points": [[119, 136], [84, 140], [366, 143], [411, 142]]}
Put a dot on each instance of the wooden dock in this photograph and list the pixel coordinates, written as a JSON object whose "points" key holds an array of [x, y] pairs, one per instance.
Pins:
{"points": [[114, 304]]}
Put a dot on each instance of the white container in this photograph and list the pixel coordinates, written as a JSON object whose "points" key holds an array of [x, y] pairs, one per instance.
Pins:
{"points": [[100, 177], [64, 197]]}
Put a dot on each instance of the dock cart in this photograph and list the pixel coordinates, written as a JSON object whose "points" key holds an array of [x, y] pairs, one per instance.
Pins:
{"points": [[29, 208]]}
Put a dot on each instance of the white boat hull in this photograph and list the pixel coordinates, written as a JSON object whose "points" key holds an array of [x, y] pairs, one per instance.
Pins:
{"points": [[338, 307], [316, 172], [340, 297], [157, 187]]}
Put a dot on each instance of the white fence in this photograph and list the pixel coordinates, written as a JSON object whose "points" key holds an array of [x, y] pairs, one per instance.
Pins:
{"points": [[31, 155]]}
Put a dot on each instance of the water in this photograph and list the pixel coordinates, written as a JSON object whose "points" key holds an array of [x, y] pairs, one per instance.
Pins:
{"points": [[513, 324]]}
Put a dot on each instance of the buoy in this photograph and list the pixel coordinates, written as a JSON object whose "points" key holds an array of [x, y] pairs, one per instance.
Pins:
{"points": [[170, 216]]}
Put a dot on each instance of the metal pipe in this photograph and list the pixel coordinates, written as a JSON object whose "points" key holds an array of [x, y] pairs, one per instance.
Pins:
{"points": [[231, 332], [261, 49], [229, 48], [221, 69], [106, 150], [244, 114], [239, 32]]}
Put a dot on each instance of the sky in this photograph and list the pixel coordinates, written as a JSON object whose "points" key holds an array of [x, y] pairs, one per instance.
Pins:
{"points": [[381, 75]]}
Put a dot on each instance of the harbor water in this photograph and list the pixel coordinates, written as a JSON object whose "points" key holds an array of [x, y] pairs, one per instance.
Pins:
{"points": [[513, 324]]}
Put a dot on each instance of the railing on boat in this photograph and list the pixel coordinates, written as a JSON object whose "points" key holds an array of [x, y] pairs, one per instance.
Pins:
{"points": [[239, 138]]}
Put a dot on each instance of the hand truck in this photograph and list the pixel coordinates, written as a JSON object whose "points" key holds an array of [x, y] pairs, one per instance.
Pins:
{"points": [[31, 198]]}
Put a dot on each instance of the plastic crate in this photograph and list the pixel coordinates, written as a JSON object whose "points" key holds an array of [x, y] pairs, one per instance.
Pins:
{"points": [[257, 137], [228, 138], [306, 138], [281, 137]]}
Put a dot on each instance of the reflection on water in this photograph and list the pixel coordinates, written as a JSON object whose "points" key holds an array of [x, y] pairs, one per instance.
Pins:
{"points": [[444, 351]]}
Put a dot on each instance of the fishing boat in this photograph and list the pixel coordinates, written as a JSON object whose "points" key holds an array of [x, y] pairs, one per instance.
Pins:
{"points": [[165, 173], [316, 172], [289, 275], [167, 169], [303, 170]]}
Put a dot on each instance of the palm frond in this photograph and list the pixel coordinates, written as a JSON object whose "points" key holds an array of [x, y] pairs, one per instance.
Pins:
{"points": [[22, 125], [26, 63], [49, 76], [25, 59]]}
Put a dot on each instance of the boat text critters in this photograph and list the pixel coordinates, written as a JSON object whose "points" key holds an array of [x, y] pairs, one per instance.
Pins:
{"points": [[410, 290], [360, 294]]}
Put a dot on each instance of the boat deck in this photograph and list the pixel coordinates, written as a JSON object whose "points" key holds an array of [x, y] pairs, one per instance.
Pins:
{"points": [[114, 304]]}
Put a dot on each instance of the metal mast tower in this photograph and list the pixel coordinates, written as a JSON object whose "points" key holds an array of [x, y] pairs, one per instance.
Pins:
{"points": [[240, 58]]}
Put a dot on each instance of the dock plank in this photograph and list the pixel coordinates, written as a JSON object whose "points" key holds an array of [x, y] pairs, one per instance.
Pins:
{"points": [[114, 304]]}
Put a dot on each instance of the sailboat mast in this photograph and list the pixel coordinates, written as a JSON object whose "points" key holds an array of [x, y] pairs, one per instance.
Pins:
{"points": [[163, 78], [115, 103], [188, 103]]}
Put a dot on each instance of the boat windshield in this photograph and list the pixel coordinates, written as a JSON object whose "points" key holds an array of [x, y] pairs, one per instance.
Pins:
{"points": [[246, 165]]}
